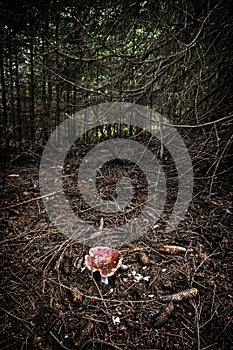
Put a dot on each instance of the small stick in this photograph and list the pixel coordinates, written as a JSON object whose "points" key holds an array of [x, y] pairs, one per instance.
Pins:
{"points": [[183, 295], [172, 249], [59, 341], [101, 223], [29, 200]]}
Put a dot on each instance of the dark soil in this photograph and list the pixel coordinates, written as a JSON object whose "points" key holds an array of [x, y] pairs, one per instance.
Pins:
{"points": [[48, 301]]}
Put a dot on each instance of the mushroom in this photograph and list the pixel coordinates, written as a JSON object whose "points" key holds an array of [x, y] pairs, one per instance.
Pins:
{"points": [[105, 260]]}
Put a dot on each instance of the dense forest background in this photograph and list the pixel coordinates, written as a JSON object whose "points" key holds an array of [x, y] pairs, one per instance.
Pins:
{"points": [[58, 57]]}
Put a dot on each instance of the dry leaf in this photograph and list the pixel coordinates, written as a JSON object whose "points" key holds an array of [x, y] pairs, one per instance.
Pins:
{"points": [[144, 258]]}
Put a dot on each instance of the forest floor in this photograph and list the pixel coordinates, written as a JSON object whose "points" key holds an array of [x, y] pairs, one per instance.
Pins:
{"points": [[179, 299]]}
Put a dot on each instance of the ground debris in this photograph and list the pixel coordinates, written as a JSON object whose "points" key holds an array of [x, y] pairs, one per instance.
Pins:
{"points": [[77, 296], [164, 315], [143, 257], [84, 334], [50, 301], [183, 295], [172, 249]]}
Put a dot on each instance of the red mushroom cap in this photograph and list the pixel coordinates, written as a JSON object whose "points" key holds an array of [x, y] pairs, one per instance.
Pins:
{"points": [[103, 259]]}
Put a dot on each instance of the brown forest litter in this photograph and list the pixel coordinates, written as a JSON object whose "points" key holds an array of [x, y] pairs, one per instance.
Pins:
{"points": [[181, 300]]}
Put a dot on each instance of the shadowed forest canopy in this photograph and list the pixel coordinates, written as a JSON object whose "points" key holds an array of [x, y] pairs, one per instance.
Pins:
{"points": [[58, 57]]}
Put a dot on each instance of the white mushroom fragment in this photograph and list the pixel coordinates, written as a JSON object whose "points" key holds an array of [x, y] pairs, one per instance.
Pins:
{"points": [[105, 260]]}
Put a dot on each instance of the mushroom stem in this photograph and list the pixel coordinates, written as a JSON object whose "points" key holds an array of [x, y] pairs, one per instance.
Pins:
{"points": [[104, 280], [105, 260]]}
